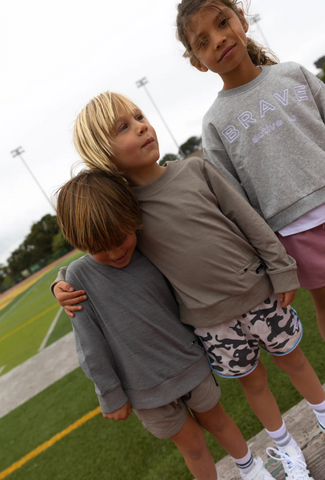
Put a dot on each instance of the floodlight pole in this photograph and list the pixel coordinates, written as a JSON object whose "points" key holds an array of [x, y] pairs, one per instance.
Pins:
{"points": [[142, 83], [18, 153], [256, 19]]}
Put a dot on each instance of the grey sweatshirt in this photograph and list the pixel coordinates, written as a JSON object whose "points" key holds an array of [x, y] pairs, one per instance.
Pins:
{"points": [[130, 341], [268, 138]]}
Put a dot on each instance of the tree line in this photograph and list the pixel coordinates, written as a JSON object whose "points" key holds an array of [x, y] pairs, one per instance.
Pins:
{"points": [[187, 148], [43, 242]]}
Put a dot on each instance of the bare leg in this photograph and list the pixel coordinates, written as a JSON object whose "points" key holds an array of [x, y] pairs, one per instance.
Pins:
{"points": [[225, 431], [318, 296], [191, 443], [261, 399], [302, 375]]}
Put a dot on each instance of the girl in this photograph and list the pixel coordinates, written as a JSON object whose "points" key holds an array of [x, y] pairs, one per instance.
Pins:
{"points": [[265, 132], [220, 280]]}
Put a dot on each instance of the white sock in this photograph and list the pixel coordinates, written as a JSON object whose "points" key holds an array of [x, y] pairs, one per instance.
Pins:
{"points": [[283, 438], [319, 411], [218, 478], [246, 463]]}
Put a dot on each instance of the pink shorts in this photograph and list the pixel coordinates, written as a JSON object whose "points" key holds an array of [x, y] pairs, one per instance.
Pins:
{"points": [[308, 249]]}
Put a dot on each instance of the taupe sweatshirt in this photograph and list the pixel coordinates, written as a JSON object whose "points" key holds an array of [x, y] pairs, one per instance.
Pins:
{"points": [[219, 255]]}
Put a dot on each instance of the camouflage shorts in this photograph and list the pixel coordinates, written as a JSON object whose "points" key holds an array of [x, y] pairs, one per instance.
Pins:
{"points": [[233, 347]]}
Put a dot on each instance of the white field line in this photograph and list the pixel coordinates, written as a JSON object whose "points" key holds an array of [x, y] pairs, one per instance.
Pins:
{"points": [[50, 330], [2, 368]]}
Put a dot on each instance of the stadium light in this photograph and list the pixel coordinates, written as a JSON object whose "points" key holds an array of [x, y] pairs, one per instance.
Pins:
{"points": [[256, 19], [142, 83], [18, 153]]}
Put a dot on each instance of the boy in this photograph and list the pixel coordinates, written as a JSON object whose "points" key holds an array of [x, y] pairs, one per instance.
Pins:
{"points": [[129, 339]]}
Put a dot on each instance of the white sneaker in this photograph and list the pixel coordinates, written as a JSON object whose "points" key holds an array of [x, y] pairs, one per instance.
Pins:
{"points": [[258, 472], [293, 462]]}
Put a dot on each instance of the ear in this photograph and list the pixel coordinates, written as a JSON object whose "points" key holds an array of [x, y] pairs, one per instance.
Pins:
{"points": [[198, 65], [243, 20]]}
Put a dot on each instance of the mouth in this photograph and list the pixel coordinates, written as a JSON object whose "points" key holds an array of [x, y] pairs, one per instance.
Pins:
{"points": [[149, 141], [227, 52], [119, 260]]}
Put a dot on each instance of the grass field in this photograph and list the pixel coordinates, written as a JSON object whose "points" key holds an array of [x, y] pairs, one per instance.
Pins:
{"points": [[26, 315], [102, 449]]}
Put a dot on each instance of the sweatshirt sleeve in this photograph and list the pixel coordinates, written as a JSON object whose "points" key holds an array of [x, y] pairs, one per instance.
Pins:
{"points": [[281, 268], [317, 88], [96, 360], [215, 152], [59, 278]]}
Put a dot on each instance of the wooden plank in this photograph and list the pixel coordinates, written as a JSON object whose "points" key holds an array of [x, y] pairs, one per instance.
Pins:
{"points": [[302, 425]]}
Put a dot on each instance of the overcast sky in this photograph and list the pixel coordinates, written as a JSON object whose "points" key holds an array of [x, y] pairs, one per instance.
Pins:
{"points": [[55, 56]]}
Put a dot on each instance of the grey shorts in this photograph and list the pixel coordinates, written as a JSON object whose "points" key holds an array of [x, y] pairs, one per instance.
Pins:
{"points": [[166, 421], [233, 347]]}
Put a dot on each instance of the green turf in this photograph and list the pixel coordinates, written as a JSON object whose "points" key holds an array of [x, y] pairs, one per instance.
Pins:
{"points": [[62, 327], [103, 449], [37, 306]]}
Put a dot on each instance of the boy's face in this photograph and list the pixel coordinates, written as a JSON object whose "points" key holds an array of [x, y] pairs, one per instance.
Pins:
{"points": [[118, 257], [135, 143]]}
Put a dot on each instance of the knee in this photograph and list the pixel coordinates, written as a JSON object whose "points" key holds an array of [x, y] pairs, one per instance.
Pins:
{"points": [[292, 364], [191, 442], [255, 384], [196, 449]]}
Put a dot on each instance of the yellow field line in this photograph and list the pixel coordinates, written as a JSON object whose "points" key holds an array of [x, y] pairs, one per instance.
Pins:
{"points": [[49, 443], [27, 323], [18, 290]]}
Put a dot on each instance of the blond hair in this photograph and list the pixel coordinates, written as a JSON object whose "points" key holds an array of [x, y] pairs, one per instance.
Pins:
{"points": [[187, 8], [94, 129], [96, 211]]}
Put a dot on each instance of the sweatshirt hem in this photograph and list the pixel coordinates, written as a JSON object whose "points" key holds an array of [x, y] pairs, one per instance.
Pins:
{"points": [[170, 389], [296, 210], [229, 308]]}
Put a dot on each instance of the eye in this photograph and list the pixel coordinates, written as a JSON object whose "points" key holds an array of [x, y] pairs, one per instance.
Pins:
{"points": [[224, 22], [139, 117], [122, 127], [203, 44]]}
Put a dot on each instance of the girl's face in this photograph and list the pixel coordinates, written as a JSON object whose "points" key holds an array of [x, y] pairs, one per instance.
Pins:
{"points": [[135, 143], [218, 39]]}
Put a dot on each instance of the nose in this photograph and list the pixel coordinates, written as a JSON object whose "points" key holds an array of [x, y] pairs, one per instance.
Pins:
{"points": [[218, 40], [142, 128]]}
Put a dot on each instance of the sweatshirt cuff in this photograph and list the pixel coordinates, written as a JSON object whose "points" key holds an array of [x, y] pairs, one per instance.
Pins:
{"points": [[112, 401], [284, 281], [60, 278]]}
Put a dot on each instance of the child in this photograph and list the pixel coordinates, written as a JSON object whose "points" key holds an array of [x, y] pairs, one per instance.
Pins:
{"points": [[223, 261], [265, 131], [129, 339]]}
